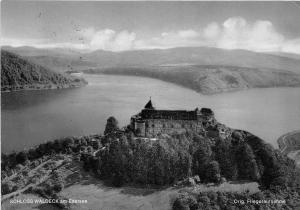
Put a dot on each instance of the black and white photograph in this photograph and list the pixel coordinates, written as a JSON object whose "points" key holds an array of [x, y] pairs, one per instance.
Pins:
{"points": [[150, 105]]}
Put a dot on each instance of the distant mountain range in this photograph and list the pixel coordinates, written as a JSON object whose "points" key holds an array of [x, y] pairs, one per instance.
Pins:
{"points": [[19, 74], [66, 59], [207, 70]]}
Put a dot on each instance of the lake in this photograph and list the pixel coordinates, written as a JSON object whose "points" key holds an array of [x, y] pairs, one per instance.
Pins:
{"points": [[31, 117]]}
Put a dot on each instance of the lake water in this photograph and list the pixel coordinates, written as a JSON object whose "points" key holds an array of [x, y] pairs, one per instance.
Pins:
{"points": [[31, 117]]}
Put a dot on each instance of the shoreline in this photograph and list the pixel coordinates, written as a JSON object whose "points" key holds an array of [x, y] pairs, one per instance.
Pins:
{"points": [[44, 87], [204, 92]]}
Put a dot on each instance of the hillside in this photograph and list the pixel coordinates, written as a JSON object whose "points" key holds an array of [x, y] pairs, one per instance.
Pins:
{"points": [[64, 59], [289, 144], [59, 60], [211, 79], [142, 167], [194, 56], [17, 74], [206, 70]]}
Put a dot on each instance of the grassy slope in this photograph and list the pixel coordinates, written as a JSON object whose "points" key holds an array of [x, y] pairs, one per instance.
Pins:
{"points": [[18, 73]]}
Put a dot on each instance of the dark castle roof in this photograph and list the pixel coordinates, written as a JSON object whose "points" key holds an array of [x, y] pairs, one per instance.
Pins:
{"points": [[149, 105], [149, 112], [168, 114]]}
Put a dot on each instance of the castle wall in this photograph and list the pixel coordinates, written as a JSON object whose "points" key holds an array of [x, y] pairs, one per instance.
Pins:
{"points": [[140, 126], [151, 122], [168, 114], [154, 127]]}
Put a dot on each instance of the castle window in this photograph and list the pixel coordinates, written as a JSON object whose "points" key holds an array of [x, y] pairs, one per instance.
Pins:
{"points": [[153, 125]]}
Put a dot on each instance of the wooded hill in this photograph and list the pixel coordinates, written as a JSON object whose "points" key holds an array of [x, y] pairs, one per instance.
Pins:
{"points": [[18, 73]]}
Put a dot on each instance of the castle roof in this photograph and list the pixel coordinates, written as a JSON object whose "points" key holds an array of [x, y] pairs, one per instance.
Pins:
{"points": [[149, 105], [149, 112], [168, 114]]}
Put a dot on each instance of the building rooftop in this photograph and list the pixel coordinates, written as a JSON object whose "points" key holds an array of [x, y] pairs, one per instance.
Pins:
{"points": [[149, 105], [149, 112]]}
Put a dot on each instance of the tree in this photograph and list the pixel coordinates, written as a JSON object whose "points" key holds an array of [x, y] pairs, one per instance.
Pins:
{"points": [[96, 144], [226, 159], [32, 154], [213, 171], [4, 161], [7, 187], [21, 157], [12, 162], [247, 165], [57, 146], [185, 202], [111, 125], [58, 186], [201, 158]]}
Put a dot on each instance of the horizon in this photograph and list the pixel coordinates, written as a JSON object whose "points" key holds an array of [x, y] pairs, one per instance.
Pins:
{"points": [[274, 53], [267, 27]]}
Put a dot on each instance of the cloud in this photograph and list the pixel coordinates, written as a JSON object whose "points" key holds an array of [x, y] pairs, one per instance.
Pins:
{"points": [[187, 34], [180, 38], [233, 33], [236, 33], [211, 31], [108, 39], [291, 46]]}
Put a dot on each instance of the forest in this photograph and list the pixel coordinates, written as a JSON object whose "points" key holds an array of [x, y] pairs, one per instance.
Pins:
{"points": [[18, 73], [119, 157]]}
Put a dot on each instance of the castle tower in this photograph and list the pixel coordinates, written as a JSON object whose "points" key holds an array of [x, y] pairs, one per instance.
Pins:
{"points": [[149, 105]]}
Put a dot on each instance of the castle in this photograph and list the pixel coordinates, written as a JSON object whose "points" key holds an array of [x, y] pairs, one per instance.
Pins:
{"points": [[151, 122]]}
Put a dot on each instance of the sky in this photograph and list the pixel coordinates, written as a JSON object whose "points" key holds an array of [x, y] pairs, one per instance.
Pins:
{"points": [[119, 26]]}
